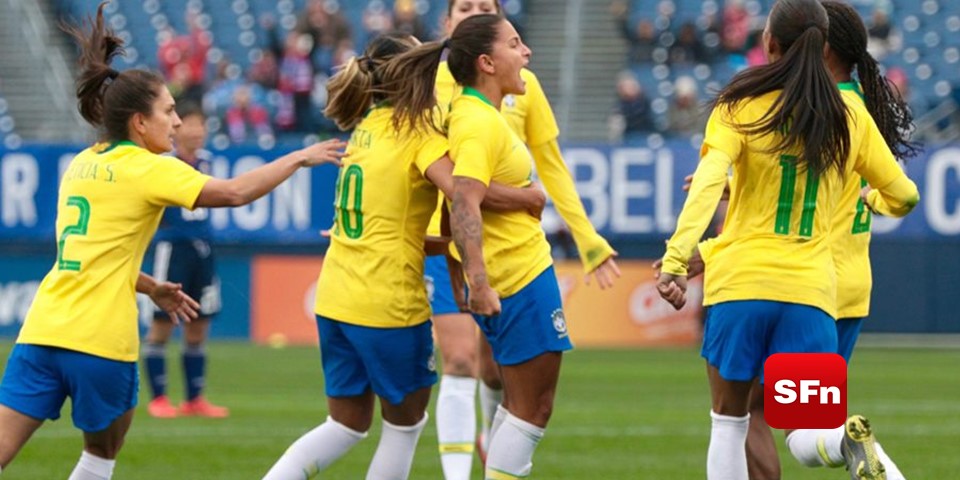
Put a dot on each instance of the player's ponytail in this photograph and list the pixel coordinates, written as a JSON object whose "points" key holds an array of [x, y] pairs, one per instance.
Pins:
{"points": [[357, 86], [105, 97], [808, 115], [410, 79], [848, 41]]}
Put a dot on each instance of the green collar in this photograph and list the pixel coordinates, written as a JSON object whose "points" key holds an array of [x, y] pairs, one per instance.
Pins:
{"points": [[851, 86], [378, 105], [474, 93], [121, 143]]}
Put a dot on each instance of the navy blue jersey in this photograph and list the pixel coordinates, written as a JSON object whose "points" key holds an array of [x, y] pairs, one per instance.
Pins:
{"points": [[184, 224]]}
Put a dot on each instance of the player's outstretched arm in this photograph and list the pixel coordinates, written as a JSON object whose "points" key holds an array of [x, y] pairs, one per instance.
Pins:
{"points": [[258, 182]]}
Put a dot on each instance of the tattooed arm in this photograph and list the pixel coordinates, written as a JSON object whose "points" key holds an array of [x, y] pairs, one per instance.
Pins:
{"points": [[466, 225]]}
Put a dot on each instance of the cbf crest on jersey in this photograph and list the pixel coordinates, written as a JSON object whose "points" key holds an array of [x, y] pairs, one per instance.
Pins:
{"points": [[510, 101], [559, 322]]}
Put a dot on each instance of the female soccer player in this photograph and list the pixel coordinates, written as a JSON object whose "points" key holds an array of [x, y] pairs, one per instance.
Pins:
{"points": [[849, 237], [529, 115], [80, 337], [788, 163], [382, 346], [528, 335], [183, 254]]}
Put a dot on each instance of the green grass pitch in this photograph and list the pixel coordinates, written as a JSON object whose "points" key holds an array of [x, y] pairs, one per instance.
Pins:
{"points": [[640, 414]]}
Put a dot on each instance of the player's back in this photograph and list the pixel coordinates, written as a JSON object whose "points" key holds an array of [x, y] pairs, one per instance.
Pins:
{"points": [[109, 206], [373, 271], [775, 240]]}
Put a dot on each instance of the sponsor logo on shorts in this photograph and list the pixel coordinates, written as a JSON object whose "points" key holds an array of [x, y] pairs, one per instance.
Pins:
{"points": [[432, 362], [559, 323]]}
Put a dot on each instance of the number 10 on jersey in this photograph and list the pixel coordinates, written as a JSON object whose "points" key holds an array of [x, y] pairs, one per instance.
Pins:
{"points": [[349, 202]]}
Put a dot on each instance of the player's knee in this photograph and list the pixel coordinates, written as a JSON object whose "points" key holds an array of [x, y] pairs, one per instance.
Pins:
{"points": [[460, 364]]}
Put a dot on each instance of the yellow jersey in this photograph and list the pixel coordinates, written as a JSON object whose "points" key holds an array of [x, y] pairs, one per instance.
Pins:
{"points": [[775, 243], [483, 147], [110, 203], [850, 237], [531, 118], [373, 271]]}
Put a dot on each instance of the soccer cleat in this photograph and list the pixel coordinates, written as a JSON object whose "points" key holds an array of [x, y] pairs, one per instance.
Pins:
{"points": [[200, 407], [160, 407], [860, 451], [481, 451]]}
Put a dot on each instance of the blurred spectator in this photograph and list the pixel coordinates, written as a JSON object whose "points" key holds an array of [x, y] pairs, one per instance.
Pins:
{"points": [[756, 54], [688, 48], [684, 116], [880, 32], [295, 84], [183, 59], [633, 108], [327, 29], [736, 26], [245, 117], [265, 71], [407, 20], [642, 38]]}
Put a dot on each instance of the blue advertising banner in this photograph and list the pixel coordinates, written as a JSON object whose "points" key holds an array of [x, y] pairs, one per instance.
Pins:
{"points": [[631, 193]]}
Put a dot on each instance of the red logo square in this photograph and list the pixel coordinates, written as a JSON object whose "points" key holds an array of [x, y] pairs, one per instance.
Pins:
{"points": [[805, 390]]}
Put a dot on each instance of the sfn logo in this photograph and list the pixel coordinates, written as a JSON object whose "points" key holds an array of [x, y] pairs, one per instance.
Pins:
{"points": [[805, 390]]}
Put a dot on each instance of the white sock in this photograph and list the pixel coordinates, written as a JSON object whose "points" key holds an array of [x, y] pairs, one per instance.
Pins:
{"points": [[490, 399], [498, 419], [456, 425], [394, 454], [92, 467], [727, 454], [817, 447], [512, 447], [314, 451], [893, 473]]}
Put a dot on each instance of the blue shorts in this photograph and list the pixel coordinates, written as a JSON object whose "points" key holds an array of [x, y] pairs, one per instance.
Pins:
{"points": [[190, 263], [848, 330], [530, 322], [38, 379], [738, 336], [439, 291], [394, 362]]}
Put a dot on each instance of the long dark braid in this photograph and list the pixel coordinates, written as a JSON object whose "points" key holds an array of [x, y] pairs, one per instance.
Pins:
{"points": [[847, 37]]}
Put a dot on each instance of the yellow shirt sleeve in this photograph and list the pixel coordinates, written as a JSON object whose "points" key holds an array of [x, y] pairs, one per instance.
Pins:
{"points": [[172, 182], [893, 193], [475, 158], [540, 124], [432, 147], [896, 199], [708, 183], [558, 181]]}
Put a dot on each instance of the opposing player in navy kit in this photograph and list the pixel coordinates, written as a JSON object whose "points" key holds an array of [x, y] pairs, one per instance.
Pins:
{"points": [[182, 254]]}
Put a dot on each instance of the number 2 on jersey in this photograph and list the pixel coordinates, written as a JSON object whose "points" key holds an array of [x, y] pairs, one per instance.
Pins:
{"points": [[788, 182], [79, 228], [350, 186]]}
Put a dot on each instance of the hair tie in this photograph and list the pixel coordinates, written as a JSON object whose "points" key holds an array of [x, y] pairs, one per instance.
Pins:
{"points": [[370, 65], [446, 43], [112, 74], [809, 24]]}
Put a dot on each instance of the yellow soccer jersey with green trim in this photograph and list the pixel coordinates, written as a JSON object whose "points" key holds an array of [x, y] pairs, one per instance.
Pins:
{"points": [[850, 237], [110, 203], [528, 115], [373, 271], [775, 243], [483, 147]]}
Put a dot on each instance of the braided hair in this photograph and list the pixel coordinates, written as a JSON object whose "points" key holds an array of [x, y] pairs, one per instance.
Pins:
{"points": [[847, 37]]}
